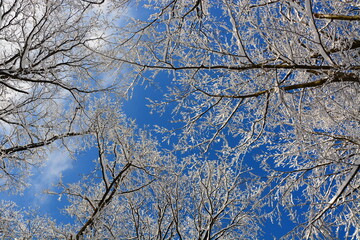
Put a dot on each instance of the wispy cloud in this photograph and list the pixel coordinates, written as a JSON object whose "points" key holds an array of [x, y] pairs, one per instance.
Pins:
{"points": [[58, 161]]}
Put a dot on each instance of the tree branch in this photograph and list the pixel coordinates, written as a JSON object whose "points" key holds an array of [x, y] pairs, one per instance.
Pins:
{"points": [[41, 143], [337, 17]]}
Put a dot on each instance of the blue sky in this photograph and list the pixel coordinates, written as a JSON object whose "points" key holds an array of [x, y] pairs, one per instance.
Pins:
{"points": [[60, 163], [136, 108]]}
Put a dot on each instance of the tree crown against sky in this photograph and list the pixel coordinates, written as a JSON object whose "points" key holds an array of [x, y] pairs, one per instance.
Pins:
{"points": [[48, 75], [280, 75], [277, 77]]}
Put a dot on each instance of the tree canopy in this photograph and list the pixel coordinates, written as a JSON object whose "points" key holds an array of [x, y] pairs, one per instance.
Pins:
{"points": [[263, 96]]}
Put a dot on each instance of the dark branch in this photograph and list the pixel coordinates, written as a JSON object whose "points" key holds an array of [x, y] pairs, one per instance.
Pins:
{"points": [[40, 144], [337, 17]]}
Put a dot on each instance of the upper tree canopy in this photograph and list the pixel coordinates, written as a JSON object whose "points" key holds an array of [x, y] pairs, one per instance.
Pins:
{"points": [[48, 73], [278, 76]]}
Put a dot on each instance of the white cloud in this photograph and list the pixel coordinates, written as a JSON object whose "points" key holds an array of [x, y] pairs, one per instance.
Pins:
{"points": [[58, 161]]}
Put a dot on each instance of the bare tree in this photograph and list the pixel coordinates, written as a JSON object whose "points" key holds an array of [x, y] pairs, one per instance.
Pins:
{"points": [[278, 74], [21, 223], [138, 192], [207, 200], [281, 75], [47, 74], [51, 92], [126, 163]]}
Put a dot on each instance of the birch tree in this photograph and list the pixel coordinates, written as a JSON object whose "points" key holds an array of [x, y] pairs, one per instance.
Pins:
{"points": [[283, 75]]}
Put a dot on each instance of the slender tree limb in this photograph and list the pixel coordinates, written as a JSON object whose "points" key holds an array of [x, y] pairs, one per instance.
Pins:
{"points": [[41, 143]]}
